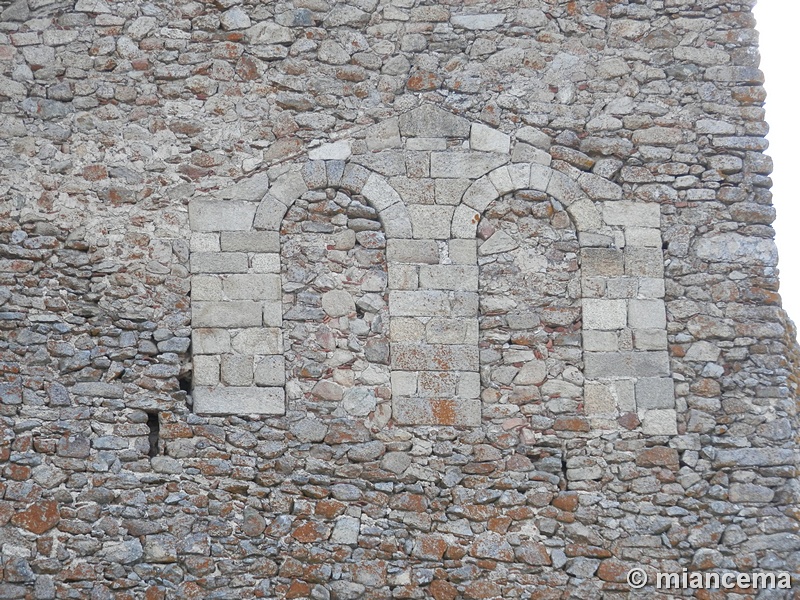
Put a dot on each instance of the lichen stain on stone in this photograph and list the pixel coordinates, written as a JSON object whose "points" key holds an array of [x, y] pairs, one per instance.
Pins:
{"points": [[444, 412]]}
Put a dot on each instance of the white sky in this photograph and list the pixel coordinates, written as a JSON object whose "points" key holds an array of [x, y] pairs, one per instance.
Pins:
{"points": [[777, 26]]}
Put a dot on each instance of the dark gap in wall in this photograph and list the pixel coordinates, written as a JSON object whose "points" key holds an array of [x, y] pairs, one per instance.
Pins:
{"points": [[185, 382], [154, 435]]}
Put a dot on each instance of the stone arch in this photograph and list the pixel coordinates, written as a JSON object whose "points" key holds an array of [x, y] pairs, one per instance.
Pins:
{"points": [[320, 174], [520, 176]]}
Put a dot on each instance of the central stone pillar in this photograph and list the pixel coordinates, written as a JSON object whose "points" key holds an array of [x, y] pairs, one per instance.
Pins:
{"points": [[433, 307]]}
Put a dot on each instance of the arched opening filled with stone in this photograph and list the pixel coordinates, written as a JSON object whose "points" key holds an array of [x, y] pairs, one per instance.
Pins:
{"points": [[334, 305], [530, 311]]}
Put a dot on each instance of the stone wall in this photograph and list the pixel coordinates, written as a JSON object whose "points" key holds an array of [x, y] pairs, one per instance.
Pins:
{"points": [[371, 299]]}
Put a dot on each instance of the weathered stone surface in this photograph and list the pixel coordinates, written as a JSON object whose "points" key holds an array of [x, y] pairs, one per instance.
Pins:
{"points": [[434, 357], [226, 314], [249, 241], [465, 164], [752, 457], [219, 262], [239, 400], [430, 121], [338, 303], [99, 389], [215, 215], [359, 402], [655, 392], [125, 552], [486, 139], [626, 364], [432, 411], [732, 247], [257, 341], [604, 314], [478, 22]]}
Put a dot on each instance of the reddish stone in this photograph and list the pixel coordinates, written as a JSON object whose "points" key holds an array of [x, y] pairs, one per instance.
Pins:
{"points": [[708, 388], [95, 172], [39, 517], [253, 524], [565, 517], [567, 501], [749, 94], [521, 513], [190, 590], [7, 510], [442, 590], [16, 266], [172, 431], [329, 509], [629, 421], [199, 565], [532, 553], [479, 512], [192, 172], [205, 159], [519, 462], [423, 81], [291, 568], [247, 68], [354, 74], [429, 547], [185, 127], [546, 594], [478, 468], [311, 531], [79, 572], [347, 433], [613, 570], [45, 446], [410, 502], [155, 593], [455, 553], [677, 350], [539, 499], [298, 589], [571, 424], [18, 472], [499, 524], [479, 590], [659, 456]]}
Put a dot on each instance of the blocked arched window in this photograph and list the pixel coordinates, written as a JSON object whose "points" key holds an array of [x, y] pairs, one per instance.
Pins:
{"points": [[334, 306], [530, 309], [248, 317]]}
